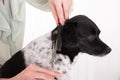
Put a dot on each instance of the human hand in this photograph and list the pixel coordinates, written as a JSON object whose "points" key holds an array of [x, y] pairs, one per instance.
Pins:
{"points": [[34, 72], [3, 1], [60, 9]]}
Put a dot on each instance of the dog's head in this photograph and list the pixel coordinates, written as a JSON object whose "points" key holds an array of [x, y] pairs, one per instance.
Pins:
{"points": [[80, 34]]}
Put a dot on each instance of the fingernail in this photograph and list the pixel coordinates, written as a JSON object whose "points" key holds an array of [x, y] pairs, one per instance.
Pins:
{"points": [[66, 17], [62, 23], [59, 75]]}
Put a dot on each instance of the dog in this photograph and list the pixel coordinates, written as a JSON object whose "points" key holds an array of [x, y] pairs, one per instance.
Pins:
{"points": [[57, 49]]}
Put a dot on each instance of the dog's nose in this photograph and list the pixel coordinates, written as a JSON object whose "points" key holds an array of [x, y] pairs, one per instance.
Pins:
{"points": [[108, 50]]}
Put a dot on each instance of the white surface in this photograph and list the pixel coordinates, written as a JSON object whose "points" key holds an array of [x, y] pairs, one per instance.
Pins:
{"points": [[106, 14]]}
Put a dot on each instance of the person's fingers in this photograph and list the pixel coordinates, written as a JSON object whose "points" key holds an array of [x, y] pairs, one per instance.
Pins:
{"points": [[44, 70], [33, 75], [34, 72], [67, 5], [52, 6], [59, 9], [42, 76]]}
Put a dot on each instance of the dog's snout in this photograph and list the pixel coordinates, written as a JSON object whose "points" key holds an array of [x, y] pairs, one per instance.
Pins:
{"points": [[108, 50]]}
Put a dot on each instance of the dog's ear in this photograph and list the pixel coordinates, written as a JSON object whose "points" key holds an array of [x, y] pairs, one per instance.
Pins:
{"points": [[56, 39], [69, 31], [69, 39]]}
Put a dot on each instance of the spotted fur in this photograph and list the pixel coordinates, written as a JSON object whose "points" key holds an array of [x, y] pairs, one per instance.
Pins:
{"points": [[41, 55], [78, 35]]}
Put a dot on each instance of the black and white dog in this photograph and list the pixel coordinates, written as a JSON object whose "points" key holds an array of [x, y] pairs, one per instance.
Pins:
{"points": [[78, 35]]}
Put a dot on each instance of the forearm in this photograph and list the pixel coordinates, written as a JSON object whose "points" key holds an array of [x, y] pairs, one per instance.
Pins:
{"points": [[4, 79]]}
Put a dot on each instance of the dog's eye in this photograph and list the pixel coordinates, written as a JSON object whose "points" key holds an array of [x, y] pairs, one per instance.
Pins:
{"points": [[91, 37]]}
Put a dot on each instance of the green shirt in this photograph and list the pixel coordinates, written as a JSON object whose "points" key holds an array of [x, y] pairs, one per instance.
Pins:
{"points": [[12, 22]]}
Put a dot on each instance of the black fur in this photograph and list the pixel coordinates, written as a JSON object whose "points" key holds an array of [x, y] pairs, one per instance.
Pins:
{"points": [[13, 66], [78, 34]]}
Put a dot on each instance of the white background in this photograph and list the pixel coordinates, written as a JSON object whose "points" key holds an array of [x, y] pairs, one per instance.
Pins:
{"points": [[106, 14]]}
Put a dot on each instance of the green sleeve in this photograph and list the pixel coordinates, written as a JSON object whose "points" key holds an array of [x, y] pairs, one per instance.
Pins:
{"points": [[40, 4]]}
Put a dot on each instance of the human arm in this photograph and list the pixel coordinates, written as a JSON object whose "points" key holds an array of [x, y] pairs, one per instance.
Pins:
{"points": [[34, 72], [59, 8]]}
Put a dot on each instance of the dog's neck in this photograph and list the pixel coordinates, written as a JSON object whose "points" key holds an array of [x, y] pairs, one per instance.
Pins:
{"points": [[70, 52]]}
